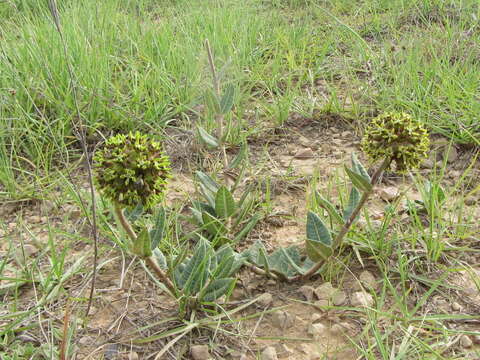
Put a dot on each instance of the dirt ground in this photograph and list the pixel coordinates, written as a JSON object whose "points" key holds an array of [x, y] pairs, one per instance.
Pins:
{"points": [[305, 325]]}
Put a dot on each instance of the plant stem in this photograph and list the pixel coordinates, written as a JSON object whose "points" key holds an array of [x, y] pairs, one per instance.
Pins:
{"points": [[150, 260], [348, 224], [218, 116]]}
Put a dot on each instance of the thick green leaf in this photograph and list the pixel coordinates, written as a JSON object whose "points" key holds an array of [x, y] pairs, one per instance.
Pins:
{"points": [[263, 259], [224, 203], [358, 180], [316, 230], [252, 253], [226, 102], [210, 184], [329, 207], [187, 269], [214, 226], [319, 239], [160, 258], [317, 251], [286, 261], [157, 233], [212, 101], [237, 160], [359, 168], [353, 200], [134, 214], [142, 244], [217, 288], [207, 138]]}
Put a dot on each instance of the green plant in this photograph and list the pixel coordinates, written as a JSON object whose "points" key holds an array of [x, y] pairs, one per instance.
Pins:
{"points": [[224, 219], [132, 170], [389, 137]]}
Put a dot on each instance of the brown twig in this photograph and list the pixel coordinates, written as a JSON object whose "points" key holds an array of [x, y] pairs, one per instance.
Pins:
{"points": [[80, 132], [346, 227], [66, 320], [150, 260]]}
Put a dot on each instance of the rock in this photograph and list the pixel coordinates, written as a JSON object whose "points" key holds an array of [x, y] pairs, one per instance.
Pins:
{"points": [[368, 280], [325, 291], [133, 356], [302, 140], [465, 341], [304, 154], [307, 292], [320, 304], [265, 299], [362, 299], [450, 153], [316, 317], [34, 219], [316, 330], [237, 294], [337, 329], [200, 352], [283, 319], [339, 298], [11, 226], [25, 252], [269, 353], [456, 306], [470, 201], [283, 351], [389, 193]]}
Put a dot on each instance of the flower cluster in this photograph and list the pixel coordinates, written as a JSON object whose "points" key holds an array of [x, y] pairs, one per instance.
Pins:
{"points": [[132, 169], [399, 137]]}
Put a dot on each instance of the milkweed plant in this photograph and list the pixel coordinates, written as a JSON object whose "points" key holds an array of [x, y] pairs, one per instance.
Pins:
{"points": [[133, 171]]}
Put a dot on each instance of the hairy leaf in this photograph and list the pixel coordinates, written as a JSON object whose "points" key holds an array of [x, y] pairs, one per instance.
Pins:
{"points": [[329, 207], [207, 138], [226, 102], [217, 288], [224, 203], [353, 201], [358, 180], [157, 233]]}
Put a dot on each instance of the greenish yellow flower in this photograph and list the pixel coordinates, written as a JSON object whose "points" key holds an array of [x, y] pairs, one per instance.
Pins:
{"points": [[399, 137], [132, 169]]}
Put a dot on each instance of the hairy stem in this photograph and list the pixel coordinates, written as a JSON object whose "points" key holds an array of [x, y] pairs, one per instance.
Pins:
{"points": [[348, 224], [219, 116], [150, 260]]}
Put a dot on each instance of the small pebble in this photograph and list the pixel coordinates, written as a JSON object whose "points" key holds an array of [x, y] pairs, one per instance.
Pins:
{"points": [[339, 298], [283, 319], [133, 356], [316, 330], [362, 299], [200, 352], [465, 341], [269, 353], [304, 154], [456, 306], [320, 304], [368, 280], [307, 292], [265, 299], [325, 291], [389, 193]]}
